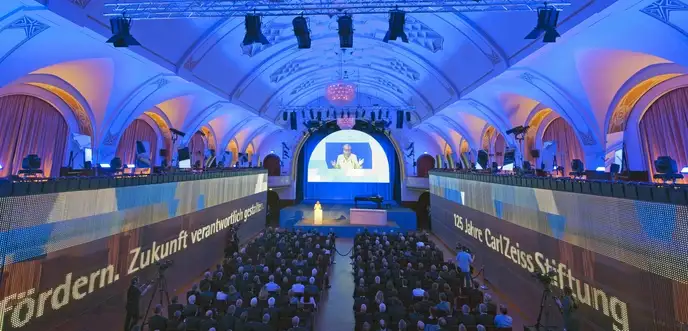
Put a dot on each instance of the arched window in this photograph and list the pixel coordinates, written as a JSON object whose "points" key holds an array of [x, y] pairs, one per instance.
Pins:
{"points": [[424, 164], [272, 164], [664, 129], [138, 130], [31, 126], [197, 148], [568, 146]]}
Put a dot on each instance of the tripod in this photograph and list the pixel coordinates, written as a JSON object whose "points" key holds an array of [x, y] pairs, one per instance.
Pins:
{"points": [[546, 293], [160, 287]]}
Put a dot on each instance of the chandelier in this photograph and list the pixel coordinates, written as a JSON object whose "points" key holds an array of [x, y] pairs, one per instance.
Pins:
{"points": [[340, 94]]}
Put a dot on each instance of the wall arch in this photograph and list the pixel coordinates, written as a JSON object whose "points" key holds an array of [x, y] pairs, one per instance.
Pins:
{"points": [[70, 95], [160, 141], [633, 89], [32, 125], [634, 153], [535, 120], [163, 123], [210, 137], [141, 128], [233, 147], [568, 144]]}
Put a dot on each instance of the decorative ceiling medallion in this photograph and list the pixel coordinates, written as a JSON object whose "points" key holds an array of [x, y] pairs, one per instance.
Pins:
{"points": [[340, 94]]}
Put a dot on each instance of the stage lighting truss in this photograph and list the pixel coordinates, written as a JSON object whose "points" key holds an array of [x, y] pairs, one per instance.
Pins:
{"points": [[175, 9]]}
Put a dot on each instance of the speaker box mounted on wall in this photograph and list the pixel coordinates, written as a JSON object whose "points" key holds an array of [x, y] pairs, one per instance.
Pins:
{"points": [[292, 120], [408, 116], [400, 119], [284, 116]]}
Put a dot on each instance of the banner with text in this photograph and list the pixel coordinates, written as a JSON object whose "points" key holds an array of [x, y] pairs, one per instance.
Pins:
{"points": [[613, 295], [84, 286]]}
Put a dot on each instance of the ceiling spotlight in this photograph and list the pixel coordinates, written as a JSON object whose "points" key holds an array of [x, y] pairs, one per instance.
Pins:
{"points": [[397, 19], [547, 24], [346, 31], [121, 33], [254, 35], [302, 33]]}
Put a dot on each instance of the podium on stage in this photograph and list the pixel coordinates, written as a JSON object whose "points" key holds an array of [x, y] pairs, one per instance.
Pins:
{"points": [[317, 213]]}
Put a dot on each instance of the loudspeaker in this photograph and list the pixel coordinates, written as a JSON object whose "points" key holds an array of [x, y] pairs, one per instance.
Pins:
{"points": [[292, 120], [400, 119], [408, 116], [163, 152], [535, 153], [284, 116]]}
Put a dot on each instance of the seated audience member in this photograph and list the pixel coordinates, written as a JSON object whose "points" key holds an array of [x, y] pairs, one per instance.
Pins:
{"points": [[491, 307], [271, 286], [382, 325], [443, 325], [157, 321], [480, 327], [191, 308], [362, 317], [483, 317], [365, 327], [176, 323], [222, 294], [228, 321], [401, 326], [311, 288], [209, 321], [503, 320], [466, 317], [420, 326], [194, 291], [295, 325], [174, 306], [462, 327]]}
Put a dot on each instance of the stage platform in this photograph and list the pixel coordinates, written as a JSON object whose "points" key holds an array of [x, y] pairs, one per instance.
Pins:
{"points": [[336, 217]]}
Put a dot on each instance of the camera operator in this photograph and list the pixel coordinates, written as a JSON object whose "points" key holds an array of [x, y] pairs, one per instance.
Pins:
{"points": [[133, 298], [568, 307], [464, 259]]}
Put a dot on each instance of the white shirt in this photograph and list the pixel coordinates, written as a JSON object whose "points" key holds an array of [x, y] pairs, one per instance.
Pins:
{"points": [[221, 296], [298, 288], [272, 287], [347, 163], [418, 292]]}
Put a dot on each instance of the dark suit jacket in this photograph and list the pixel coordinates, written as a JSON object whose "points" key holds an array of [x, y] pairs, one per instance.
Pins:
{"points": [[466, 320], [157, 322], [485, 319]]}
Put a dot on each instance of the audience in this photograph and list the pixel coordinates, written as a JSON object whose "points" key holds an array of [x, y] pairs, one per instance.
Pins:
{"points": [[275, 283], [257, 288], [441, 296]]}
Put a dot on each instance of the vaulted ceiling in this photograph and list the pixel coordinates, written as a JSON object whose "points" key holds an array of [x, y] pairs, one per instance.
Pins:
{"points": [[460, 71]]}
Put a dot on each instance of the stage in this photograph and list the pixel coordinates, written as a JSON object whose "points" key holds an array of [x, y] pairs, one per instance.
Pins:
{"points": [[336, 216]]}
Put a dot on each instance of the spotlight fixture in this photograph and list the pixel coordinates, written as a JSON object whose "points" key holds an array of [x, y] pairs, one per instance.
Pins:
{"points": [[254, 35], [397, 20], [302, 33], [547, 23], [346, 31], [121, 33]]}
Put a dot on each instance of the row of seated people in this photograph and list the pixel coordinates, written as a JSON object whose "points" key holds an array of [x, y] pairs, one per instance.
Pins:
{"points": [[404, 284], [273, 284]]}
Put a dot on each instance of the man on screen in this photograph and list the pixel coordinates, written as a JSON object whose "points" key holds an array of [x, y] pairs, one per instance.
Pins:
{"points": [[347, 160]]}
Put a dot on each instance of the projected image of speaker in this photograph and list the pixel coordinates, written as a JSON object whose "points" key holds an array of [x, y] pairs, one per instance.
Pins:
{"points": [[482, 159], [143, 159], [184, 158]]}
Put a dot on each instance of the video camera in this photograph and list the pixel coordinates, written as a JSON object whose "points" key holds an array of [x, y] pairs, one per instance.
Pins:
{"points": [[545, 279], [164, 265]]}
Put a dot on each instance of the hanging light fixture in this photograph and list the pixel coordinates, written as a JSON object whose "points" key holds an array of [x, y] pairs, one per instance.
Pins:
{"points": [[340, 93]]}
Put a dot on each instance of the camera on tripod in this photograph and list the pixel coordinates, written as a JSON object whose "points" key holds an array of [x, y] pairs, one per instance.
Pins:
{"points": [[164, 265]]}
